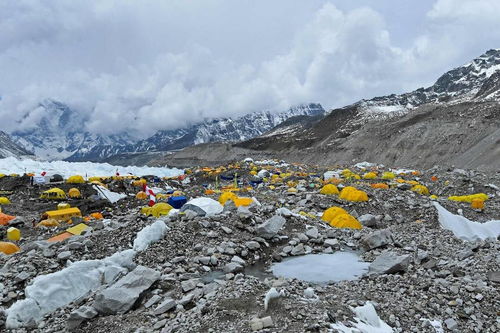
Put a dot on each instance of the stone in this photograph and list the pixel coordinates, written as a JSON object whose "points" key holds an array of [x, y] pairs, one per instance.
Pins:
{"points": [[494, 276], [298, 250], [256, 324], [227, 230], [78, 316], [271, 227], [389, 262], [238, 260], [189, 285], [368, 220], [111, 273], [244, 213], [233, 267], [376, 239], [121, 296], [267, 322], [22, 276], [159, 324], [152, 301], [312, 233], [451, 323], [64, 255], [167, 305], [252, 245], [331, 242]]}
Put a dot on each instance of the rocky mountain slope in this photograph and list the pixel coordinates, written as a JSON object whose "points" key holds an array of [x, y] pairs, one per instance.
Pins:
{"points": [[214, 130], [60, 133], [9, 148], [455, 121]]}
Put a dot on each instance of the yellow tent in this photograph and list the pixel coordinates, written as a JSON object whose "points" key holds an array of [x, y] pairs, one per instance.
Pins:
{"points": [[8, 248], [332, 212], [4, 201], [225, 196], [157, 210], [345, 221], [77, 179], [141, 195], [469, 198], [329, 189], [74, 193], [54, 194], [350, 193]]}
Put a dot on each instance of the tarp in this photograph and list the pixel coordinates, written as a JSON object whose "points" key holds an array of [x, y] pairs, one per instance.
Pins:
{"points": [[209, 206]]}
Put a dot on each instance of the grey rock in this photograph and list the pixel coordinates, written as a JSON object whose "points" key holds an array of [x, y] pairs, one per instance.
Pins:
{"points": [[152, 301], [227, 230], [166, 305], [252, 245], [233, 267], [271, 227], [238, 260], [64, 255], [376, 239], [244, 213], [312, 233], [78, 316], [23, 276], [494, 276], [229, 206], [368, 220], [451, 323], [331, 242], [298, 250], [195, 209], [389, 262], [121, 296], [189, 285]]}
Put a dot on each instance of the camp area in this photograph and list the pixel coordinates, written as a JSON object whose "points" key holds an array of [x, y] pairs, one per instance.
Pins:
{"points": [[255, 238]]}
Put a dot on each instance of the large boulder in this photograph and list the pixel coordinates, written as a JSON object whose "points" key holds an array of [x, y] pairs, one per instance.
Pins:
{"points": [[271, 227], [121, 296], [389, 263], [376, 239]]}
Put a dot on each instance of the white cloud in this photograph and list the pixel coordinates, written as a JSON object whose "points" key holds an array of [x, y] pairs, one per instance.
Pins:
{"points": [[150, 65]]}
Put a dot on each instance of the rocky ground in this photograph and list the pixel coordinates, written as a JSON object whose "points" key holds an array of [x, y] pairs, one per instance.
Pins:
{"points": [[212, 273]]}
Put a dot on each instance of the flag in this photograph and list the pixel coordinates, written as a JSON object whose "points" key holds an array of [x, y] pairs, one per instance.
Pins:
{"points": [[152, 195]]}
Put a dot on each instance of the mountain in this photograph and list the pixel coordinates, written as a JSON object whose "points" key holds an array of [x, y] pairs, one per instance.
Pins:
{"points": [[60, 133], [474, 82], [214, 130], [9, 148]]}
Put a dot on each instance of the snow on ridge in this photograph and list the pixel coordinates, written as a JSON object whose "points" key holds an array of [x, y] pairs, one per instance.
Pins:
{"points": [[11, 165]]}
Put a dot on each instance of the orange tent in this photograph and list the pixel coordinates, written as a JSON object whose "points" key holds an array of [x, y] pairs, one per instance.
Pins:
{"points": [[5, 219]]}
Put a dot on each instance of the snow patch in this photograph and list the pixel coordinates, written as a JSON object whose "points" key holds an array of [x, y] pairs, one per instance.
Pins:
{"points": [[367, 321], [49, 292], [150, 234], [66, 169], [111, 196], [466, 229]]}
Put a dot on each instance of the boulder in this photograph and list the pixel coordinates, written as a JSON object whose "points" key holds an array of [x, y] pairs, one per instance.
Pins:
{"points": [[376, 239], [79, 316], [271, 227], [389, 263], [121, 296], [368, 220]]}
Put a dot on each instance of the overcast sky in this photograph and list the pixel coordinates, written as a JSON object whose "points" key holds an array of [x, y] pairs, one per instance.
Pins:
{"points": [[144, 65]]}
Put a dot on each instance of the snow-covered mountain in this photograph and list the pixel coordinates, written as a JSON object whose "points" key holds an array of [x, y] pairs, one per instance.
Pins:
{"points": [[9, 148], [61, 133], [214, 130], [478, 80], [475, 82]]}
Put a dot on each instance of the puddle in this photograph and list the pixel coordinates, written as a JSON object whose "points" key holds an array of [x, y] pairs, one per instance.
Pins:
{"points": [[322, 268]]}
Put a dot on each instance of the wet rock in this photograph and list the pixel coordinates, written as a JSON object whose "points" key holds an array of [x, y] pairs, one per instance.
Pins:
{"points": [[389, 263], [271, 227], [121, 296]]}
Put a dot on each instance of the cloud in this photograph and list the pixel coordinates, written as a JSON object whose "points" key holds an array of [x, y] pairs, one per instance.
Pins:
{"points": [[149, 65]]}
